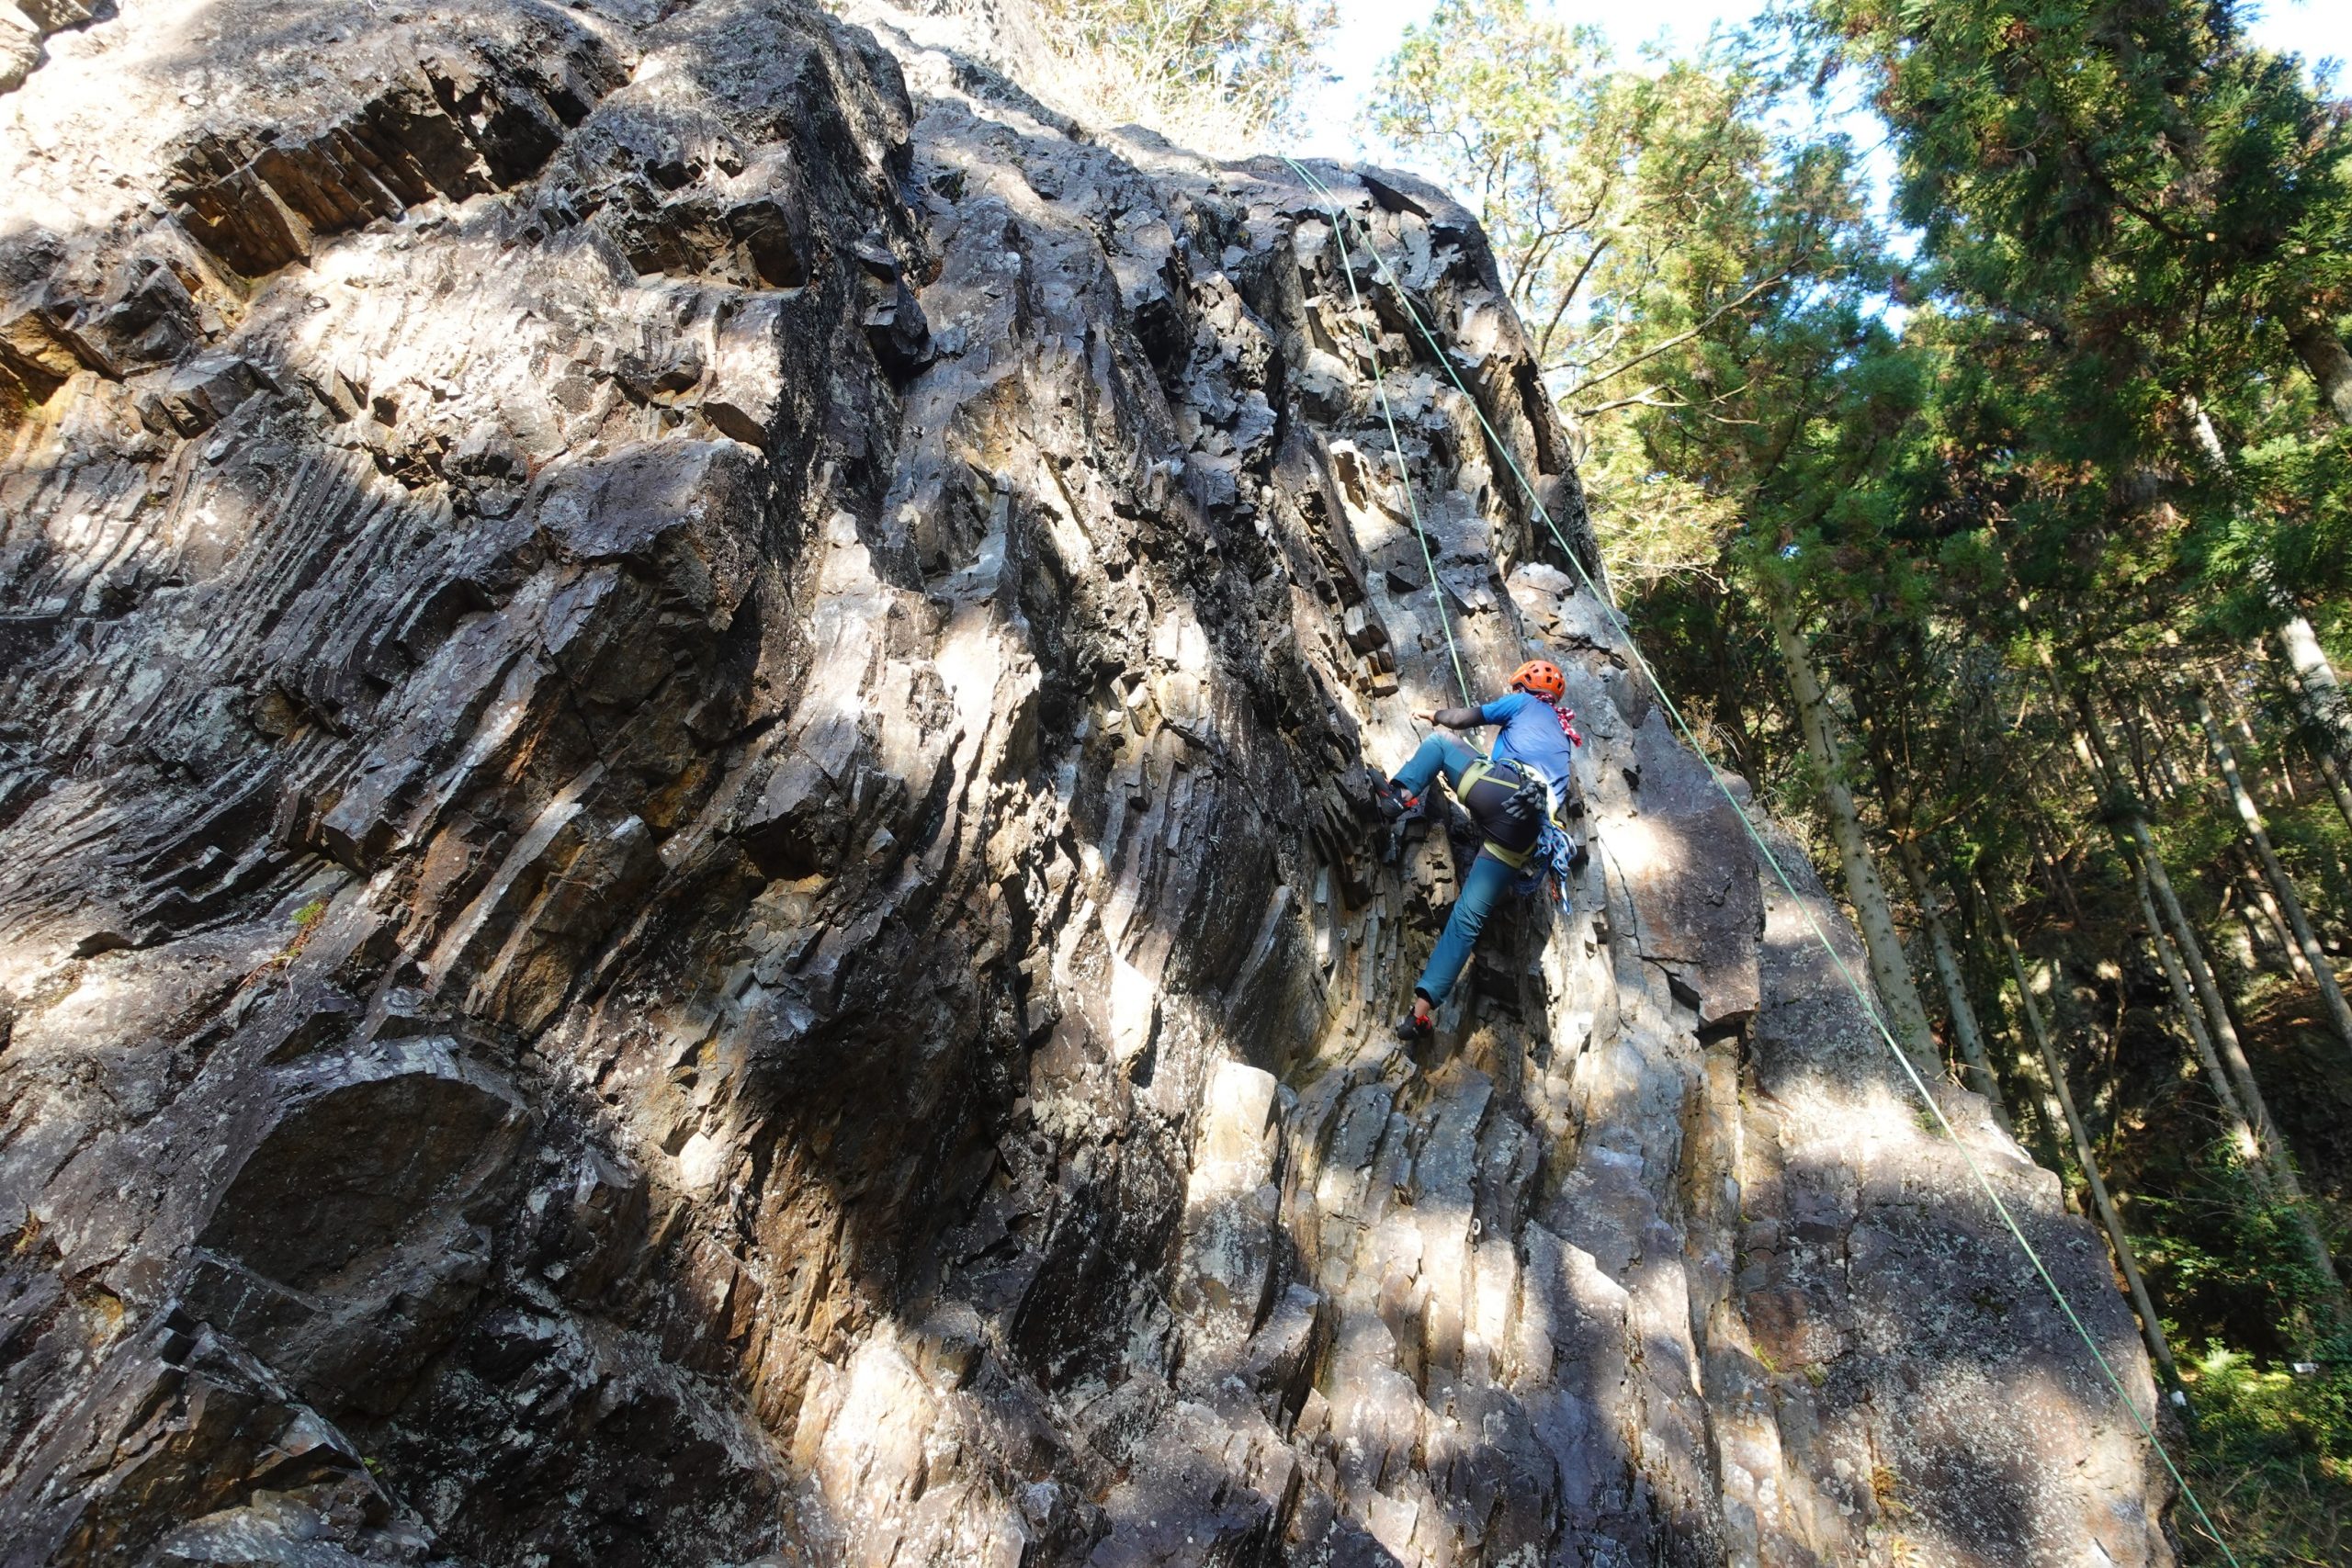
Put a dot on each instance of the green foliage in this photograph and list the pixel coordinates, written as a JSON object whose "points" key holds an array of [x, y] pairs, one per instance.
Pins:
{"points": [[2163, 211], [2126, 166], [2287, 524], [2272, 1461], [1243, 62], [2217, 1249], [1691, 277], [305, 921]]}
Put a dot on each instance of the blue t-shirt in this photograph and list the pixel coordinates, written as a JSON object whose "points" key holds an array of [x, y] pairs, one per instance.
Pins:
{"points": [[1532, 735]]}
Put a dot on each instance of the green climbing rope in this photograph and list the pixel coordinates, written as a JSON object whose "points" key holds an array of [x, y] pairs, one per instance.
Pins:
{"points": [[1404, 474], [1339, 220]]}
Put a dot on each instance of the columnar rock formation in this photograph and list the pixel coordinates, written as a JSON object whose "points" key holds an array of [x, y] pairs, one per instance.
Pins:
{"points": [[685, 871]]}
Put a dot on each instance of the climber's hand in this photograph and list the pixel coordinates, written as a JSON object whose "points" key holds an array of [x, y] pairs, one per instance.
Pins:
{"points": [[1425, 718]]}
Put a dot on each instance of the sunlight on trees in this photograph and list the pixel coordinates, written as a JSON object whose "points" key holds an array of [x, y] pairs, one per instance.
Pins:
{"points": [[1655, 233]]}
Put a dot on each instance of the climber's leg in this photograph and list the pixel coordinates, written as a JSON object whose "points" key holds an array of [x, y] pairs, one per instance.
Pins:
{"points": [[1488, 879], [1438, 754]]}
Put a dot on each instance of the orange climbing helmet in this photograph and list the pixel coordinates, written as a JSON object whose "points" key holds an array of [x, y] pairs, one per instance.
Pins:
{"points": [[1542, 677]]}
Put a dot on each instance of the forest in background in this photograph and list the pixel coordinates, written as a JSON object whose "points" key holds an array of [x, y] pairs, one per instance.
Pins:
{"points": [[2002, 543]]}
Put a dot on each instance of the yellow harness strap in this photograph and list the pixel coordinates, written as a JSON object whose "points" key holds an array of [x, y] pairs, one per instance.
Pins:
{"points": [[1508, 773]]}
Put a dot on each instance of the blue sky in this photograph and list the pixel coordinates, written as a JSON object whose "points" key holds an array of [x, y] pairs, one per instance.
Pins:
{"points": [[1368, 31]]}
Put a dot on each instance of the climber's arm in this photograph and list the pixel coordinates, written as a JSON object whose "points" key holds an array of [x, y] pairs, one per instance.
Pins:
{"points": [[1455, 718]]}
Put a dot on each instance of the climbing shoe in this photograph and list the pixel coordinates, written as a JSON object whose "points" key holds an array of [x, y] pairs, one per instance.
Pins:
{"points": [[1416, 1025], [1394, 804]]}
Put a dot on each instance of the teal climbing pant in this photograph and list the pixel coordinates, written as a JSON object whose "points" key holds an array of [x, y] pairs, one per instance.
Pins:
{"points": [[1487, 880]]}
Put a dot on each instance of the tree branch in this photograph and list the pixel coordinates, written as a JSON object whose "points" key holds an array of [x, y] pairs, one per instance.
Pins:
{"points": [[1681, 338]]}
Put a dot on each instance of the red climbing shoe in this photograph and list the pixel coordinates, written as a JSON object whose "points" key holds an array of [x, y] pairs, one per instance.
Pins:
{"points": [[1393, 803], [1417, 1025]]}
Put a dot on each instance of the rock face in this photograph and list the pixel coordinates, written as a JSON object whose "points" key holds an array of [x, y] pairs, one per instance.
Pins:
{"points": [[684, 874]]}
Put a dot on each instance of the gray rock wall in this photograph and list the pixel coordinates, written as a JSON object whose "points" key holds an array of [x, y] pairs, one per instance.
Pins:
{"points": [[685, 875]]}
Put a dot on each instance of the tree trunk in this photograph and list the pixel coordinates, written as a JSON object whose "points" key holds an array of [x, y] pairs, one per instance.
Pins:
{"points": [[1890, 970], [2276, 925], [2282, 888], [1963, 1016], [2135, 722], [2242, 1139], [2322, 352], [2031, 1064], [2151, 1327], [2265, 929], [2245, 900], [2208, 440], [2244, 723], [2324, 701], [2053, 874], [2280, 1160], [2217, 1014], [2036, 1106], [2334, 773], [2177, 780]]}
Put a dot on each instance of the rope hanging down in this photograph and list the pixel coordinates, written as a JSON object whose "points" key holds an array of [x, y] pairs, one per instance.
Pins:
{"points": [[1870, 1008], [1404, 474]]}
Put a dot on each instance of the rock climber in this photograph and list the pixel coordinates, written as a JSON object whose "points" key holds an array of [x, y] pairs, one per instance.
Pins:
{"points": [[1516, 794]]}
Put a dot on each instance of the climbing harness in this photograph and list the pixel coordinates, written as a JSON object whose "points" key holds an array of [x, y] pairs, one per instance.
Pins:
{"points": [[1539, 848], [1339, 220], [1513, 822], [1529, 804]]}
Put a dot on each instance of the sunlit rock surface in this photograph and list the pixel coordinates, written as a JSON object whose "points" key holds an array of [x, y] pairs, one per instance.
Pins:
{"points": [[684, 874]]}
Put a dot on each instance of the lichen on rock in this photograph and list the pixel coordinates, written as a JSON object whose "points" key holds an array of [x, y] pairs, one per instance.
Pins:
{"points": [[685, 871]]}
